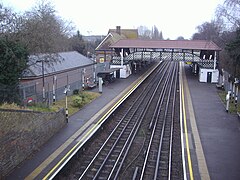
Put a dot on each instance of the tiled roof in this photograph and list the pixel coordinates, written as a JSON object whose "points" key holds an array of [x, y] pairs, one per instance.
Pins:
{"points": [[109, 40], [113, 37], [62, 61], [128, 33], [166, 44]]}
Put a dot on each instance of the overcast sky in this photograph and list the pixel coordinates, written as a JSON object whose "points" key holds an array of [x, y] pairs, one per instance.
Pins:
{"points": [[94, 17]]}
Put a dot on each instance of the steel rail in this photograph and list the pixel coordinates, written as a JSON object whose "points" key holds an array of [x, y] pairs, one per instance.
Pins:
{"points": [[172, 125], [173, 89], [143, 95], [135, 132], [154, 119], [130, 136]]}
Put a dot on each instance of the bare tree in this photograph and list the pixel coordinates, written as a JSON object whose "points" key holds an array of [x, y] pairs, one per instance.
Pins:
{"points": [[145, 33], [208, 31], [44, 35], [156, 34], [43, 31], [10, 23], [229, 12], [77, 44]]}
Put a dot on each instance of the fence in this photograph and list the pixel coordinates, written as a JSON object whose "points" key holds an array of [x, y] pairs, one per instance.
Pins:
{"points": [[29, 93], [33, 91]]}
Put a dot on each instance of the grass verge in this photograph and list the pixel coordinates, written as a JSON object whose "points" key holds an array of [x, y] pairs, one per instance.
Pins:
{"points": [[232, 108], [85, 97], [89, 97]]}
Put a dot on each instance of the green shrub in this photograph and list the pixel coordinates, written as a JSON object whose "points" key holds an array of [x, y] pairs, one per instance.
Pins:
{"points": [[86, 97], [75, 91], [77, 101]]}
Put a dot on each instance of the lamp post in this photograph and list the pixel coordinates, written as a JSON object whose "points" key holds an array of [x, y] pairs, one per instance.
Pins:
{"points": [[43, 79], [67, 89]]}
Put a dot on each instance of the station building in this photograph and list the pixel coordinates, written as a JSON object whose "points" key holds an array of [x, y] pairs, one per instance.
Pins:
{"points": [[49, 74], [105, 54]]}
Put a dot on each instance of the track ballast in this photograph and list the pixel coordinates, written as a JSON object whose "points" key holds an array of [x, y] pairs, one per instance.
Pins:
{"points": [[141, 139]]}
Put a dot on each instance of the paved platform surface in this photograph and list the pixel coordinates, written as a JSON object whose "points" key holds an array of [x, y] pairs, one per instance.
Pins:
{"points": [[219, 131], [41, 163]]}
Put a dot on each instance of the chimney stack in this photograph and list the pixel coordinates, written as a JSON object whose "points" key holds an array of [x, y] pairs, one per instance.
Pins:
{"points": [[118, 30]]}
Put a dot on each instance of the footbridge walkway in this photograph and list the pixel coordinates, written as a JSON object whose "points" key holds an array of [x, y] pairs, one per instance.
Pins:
{"points": [[201, 52]]}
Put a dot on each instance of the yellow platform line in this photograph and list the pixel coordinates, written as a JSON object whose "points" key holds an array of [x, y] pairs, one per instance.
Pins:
{"points": [[202, 165], [45, 163], [56, 153], [186, 136]]}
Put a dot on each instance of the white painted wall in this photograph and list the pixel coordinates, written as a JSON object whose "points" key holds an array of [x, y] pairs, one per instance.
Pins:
{"points": [[125, 70], [203, 75]]}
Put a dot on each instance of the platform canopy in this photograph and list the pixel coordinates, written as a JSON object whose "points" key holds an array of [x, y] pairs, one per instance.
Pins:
{"points": [[166, 44]]}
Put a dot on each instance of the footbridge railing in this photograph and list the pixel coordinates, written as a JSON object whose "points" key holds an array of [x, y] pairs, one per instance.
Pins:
{"points": [[165, 56]]}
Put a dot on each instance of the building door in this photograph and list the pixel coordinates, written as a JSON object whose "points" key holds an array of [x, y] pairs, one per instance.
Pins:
{"points": [[209, 77], [118, 73]]}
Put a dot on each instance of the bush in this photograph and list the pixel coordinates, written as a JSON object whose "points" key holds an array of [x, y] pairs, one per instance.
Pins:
{"points": [[77, 101], [75, 91], [86, 97]]}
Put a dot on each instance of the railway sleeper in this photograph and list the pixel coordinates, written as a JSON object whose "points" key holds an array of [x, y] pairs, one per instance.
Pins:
{"points": [[102, 177], [118, 148], [151, 162], [107, 170], [114, 155], [163, 166], [164, 152], [164, 159], [96, 166], [90, 176], [165, 149], [163, 176], [109, 166], [109, 146]]}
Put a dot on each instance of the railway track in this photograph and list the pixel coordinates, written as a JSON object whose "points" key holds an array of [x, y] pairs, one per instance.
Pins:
{"points": [[138, 140]]}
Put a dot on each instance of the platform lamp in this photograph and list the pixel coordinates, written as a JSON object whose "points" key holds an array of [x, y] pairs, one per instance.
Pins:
{"points": [[43, 78], [67, 89]]}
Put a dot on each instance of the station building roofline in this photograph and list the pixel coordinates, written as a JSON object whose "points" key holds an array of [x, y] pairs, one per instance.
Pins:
{"points": [[167, 44]]}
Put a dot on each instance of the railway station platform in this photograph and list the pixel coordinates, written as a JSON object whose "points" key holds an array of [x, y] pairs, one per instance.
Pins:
{"points": [[213, 135], [80, 123]]}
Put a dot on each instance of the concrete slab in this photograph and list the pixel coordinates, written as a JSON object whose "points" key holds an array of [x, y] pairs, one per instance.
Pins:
{"points": [[219, 131]]}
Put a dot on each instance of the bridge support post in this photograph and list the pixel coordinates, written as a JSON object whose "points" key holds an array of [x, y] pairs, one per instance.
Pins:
{"points": [[215, 60], [122, 57], [100, 82], [227, 100]]}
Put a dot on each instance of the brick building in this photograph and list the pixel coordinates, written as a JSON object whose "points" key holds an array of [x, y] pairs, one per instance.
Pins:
{"points": [[104, 52], [48, 75]]}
